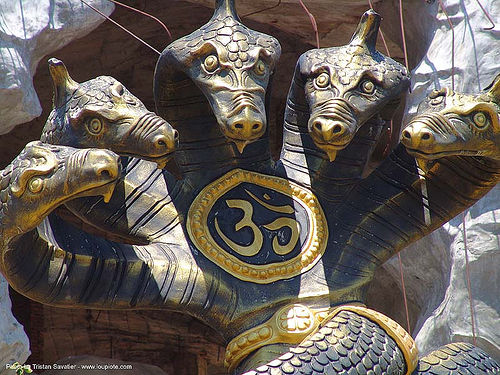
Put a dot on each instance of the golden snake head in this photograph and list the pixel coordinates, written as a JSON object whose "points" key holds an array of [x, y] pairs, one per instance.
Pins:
{"points": [[232, 66], [451, 123], [102, 113], [45, 176], [345, 86]]}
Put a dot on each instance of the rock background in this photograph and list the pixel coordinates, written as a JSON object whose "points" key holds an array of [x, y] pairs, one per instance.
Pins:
{"points": [[29, 30], [14, 344], [433, 267]]}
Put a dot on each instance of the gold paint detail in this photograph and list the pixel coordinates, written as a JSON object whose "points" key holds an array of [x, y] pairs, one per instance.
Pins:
{"points": [[289, 325], [246, 221], [402, 338], [294, 323], [312, 250], [281, 209], [280, 223]]}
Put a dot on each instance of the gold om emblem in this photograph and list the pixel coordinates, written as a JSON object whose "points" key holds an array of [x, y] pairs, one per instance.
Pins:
{"points": [[313, 242], [258, 239]]}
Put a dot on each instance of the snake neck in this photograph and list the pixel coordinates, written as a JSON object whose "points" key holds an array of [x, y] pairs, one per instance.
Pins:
{"points": [[305, 163], [396, 206], [110, 275], [203, 149]]}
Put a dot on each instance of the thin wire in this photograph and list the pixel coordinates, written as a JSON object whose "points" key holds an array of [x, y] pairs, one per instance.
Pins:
{"points": [[120, 26], [467, 272], [263, 9], [405, 298], [401, 22], [388, 54], [452, 45], [313, 22], [487, 16], [145, 14]]}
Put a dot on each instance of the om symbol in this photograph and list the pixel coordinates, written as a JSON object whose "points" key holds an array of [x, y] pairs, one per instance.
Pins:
{"points": [[258, 228], [258, 238]]}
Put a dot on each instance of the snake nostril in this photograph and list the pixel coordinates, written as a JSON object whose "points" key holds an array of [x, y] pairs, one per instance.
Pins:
{"points": [[426, 136], [337, 129], [176, 135], [317, 126], [406, 134], [238, 125], [255, 126]]}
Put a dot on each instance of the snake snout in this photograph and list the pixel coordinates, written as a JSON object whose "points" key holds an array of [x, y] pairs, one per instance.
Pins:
{"points": [[331, 131], [106, 164], [160, 138], [418, 136], [246, 125], [166, 142]]}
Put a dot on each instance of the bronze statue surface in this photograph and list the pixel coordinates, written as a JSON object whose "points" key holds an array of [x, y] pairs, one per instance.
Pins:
{"points": [[270, 253]]}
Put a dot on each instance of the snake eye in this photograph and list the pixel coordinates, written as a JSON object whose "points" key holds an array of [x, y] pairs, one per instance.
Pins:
{"points": [[260, 68], [323, 80], [367, 86], [35, 185], [480, 120], [94, 126], [211, 63]]}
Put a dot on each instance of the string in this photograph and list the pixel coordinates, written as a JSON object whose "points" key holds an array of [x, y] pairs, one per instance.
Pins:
{"points": [[313, 22], [120, 26], [405, 298], [263, 9], [145, 14]]}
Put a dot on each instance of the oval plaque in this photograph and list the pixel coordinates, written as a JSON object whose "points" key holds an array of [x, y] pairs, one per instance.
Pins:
{"points": [[259, 228]]}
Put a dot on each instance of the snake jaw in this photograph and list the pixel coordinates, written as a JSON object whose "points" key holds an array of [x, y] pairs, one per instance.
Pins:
{"points": [[110, 188], [240, 144], [332, 154], [424, 164]]}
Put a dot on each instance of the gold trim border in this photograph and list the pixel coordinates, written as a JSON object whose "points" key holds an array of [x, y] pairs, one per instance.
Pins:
{"points": [[311, 251], [272, 332]]}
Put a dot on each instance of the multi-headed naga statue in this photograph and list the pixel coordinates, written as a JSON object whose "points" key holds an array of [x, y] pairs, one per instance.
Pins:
{"points": [[275, 255]]}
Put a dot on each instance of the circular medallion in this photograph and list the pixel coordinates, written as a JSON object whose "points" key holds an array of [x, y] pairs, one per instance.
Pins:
{"points": [[259, 228]]}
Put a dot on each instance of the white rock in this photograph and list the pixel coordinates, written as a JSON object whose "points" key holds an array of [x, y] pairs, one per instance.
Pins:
{"points": [[29, 30], [434, 267], [14, 344], [451, 320]]}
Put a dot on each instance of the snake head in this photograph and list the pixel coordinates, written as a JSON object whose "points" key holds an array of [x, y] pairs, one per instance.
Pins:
{"points": [[451, 123], [45, 176], [102, 113], [232, 66], [345, 86]]}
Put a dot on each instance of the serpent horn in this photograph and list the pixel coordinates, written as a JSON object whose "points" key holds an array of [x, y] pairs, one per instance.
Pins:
{"points": [[225, 8], [367, 31], [64, 85]]}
